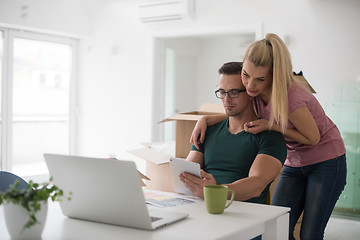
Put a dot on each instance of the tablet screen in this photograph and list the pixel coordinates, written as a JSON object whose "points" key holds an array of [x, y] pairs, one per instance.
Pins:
{"points": [[178, 166]]}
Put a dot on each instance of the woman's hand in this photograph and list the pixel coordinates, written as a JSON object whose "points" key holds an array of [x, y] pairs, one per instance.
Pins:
{"points": [[198, 134], [256, 126]]}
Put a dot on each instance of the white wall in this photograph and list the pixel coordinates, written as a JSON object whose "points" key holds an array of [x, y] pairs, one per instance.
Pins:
{"points": [[116, 60], [186, 50], [199, 59], [115, 83], [72, 17], [216, 51]]}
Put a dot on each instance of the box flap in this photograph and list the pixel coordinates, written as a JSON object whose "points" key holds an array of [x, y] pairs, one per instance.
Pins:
{"points": [[303, 80], [150, 144], [142, 176], [189, 116], [205, 109], [151, 155]]}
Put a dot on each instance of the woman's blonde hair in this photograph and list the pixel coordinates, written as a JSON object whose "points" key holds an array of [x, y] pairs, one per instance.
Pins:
{"points": [[272, 52]]}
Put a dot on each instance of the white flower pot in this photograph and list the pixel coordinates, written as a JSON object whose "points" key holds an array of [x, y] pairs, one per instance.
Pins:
{"points": [[16, 216]]}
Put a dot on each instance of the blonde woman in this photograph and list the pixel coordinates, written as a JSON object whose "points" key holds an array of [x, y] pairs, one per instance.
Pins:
{"points": [[315, 169]]}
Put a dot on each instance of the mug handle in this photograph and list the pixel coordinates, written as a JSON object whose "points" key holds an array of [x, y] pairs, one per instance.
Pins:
{"points": [[232, 198]]}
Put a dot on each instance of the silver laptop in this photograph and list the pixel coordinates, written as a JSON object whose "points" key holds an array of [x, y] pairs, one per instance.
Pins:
{"points": [[106, 191]]}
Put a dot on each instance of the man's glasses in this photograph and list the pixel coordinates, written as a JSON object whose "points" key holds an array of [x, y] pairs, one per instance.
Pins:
{"points": [[232, 93]]}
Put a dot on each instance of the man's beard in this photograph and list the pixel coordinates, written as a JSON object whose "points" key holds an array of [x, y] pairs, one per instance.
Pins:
{"points": [[232, 113]]}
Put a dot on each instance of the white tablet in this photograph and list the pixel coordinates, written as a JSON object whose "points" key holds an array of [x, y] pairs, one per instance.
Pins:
{"points": [[178, 166]]}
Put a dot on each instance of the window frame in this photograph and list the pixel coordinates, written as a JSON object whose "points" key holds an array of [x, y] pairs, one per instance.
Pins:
{"points": [[9, 34]]}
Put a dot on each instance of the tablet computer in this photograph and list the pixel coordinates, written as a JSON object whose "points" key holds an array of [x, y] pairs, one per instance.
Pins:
{"points": [[178, 166]]}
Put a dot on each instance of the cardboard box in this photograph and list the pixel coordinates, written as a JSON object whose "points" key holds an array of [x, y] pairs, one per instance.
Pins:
{"points": [[157, 165], [185, 123]]}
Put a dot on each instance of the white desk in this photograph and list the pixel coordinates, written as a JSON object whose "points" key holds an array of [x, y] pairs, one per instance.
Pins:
{"points": [[240, 221]]}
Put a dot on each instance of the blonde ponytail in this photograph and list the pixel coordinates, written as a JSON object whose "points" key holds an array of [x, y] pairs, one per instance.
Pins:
{"points": [[272, 52]]}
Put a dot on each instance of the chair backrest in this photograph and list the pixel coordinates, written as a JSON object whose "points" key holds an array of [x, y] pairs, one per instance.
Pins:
{"points": [[7, 178]]}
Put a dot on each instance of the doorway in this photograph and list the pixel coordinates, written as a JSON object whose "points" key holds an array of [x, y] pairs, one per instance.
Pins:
{"points": [[185, 69]]}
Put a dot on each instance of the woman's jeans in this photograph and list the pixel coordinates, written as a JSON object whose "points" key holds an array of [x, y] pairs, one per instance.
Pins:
{"points": [[313, 189]]}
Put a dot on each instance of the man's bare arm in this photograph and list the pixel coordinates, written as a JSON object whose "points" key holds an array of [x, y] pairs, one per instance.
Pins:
{"points": [[195, 156], [264, 169]]}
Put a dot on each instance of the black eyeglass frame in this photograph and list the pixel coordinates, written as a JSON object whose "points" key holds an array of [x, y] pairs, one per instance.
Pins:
{"points": [[229, 93]]}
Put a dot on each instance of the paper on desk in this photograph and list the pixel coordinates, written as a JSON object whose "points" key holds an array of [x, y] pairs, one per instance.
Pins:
{"points": [[166, 199]]}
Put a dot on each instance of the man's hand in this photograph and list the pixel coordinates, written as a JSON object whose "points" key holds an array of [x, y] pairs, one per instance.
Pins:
{"points": [[196, 184]]}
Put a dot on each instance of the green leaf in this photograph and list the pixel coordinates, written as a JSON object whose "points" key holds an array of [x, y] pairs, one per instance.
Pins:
{"points": [[32, 197]]}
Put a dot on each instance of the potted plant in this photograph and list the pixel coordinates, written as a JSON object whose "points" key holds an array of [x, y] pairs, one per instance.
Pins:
{"points": [[26, 209]]}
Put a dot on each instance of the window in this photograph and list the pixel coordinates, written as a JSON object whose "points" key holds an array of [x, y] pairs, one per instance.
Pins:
{"points": [[1, 80], [37, 83]]}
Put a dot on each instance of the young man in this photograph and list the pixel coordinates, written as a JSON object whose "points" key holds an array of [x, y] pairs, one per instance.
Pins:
{"points": [[244, 162]]}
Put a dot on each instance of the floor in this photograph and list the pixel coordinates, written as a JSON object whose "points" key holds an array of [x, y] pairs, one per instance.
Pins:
{"points": [[339, 228]]}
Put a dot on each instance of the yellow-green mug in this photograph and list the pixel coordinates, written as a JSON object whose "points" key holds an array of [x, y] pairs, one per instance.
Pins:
{"points": [[215, 197]]}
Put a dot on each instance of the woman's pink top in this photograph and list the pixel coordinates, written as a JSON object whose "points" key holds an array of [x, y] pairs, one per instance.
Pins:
{"points": [[331, 144]]}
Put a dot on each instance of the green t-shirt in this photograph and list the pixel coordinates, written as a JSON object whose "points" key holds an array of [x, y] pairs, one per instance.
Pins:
{"points": [[228, 157]]}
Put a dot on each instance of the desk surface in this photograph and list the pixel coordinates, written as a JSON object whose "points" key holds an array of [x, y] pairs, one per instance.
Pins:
{"points": [[239, 221]]}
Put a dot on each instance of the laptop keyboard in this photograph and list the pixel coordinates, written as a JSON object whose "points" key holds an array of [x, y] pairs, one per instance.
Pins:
{"points": [[154, 219]]}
